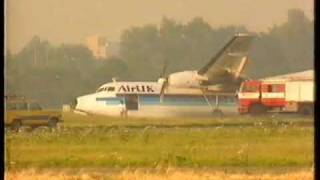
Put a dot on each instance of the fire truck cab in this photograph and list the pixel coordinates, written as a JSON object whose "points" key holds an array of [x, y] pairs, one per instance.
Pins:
{"points": [[279, 95]]}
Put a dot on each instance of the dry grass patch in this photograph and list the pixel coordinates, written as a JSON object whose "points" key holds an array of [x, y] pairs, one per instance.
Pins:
{"points": [[169, 174]]}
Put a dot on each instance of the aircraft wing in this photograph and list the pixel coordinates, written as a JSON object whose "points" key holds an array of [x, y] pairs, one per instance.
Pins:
{"points": [[230, 60]]}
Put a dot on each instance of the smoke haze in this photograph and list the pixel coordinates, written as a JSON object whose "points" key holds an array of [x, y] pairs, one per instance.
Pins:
{"points": [[71, 21]]}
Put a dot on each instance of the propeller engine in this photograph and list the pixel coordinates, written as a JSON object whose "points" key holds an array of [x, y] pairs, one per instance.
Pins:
{"points": [[192, 79], [185, 79], [164, 80]]}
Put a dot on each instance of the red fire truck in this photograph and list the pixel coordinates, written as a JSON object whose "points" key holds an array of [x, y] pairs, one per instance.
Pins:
{"points": [[277, 95]]}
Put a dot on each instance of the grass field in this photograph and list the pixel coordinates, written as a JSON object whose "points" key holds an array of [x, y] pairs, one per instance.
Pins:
{"points": [[244, 143]]}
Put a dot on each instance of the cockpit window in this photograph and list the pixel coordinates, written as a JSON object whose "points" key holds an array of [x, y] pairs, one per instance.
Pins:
{"points": [[111, 89], [106, 88], [101, 89]]}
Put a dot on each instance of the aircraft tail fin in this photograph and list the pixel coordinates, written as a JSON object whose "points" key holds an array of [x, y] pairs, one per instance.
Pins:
{"points": [[231, 58]]}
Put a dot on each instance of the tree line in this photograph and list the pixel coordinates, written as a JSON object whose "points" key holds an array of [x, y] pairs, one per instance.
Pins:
{"points": [[54, 75]]}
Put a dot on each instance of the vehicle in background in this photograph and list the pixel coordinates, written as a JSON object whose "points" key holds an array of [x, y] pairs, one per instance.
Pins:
{"points": [[277, 95], [21, 112]]}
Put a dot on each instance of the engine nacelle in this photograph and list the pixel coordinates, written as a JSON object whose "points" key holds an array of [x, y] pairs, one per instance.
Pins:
{"points": [[186, 79]]}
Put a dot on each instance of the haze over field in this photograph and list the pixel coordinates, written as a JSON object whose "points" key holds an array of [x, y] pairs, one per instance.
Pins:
{"points": [[61, 21], [184, 34]]}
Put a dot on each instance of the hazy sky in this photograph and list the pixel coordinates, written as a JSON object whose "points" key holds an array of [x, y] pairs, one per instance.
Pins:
{"points": [[70, 21]]}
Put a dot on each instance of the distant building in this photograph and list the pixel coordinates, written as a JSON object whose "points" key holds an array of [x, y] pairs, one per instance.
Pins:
{"points": [[101, 48], [98, 46]]}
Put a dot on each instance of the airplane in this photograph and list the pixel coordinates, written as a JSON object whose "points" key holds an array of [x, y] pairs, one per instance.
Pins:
{"points": [[209, 90]]}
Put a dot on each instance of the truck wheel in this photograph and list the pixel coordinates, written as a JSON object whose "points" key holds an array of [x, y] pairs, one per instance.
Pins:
{"points": [[306, 110], [257, 109], [16, 124], [52, 123], [217, 113]]}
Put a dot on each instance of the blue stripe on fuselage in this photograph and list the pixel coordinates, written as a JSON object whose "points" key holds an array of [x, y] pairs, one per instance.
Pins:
{"points": [[111, 100], [187, 101], [175, 100]]}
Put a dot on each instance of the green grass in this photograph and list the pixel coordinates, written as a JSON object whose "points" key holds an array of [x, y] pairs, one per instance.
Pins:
{"points": [[95, 142], [75, 120]]}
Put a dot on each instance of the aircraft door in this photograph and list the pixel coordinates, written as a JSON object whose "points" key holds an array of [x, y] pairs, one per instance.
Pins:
{"points": [[131, 102]]}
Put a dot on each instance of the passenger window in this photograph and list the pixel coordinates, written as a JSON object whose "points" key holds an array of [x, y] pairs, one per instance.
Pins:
{"points": [[34, 106], [22, 106]]}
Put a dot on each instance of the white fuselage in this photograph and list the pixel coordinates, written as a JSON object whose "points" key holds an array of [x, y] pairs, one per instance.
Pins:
{"points": [[142, 99]]}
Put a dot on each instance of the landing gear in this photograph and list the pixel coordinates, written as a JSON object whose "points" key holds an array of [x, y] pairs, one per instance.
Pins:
{"points": [[216, 112]]}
